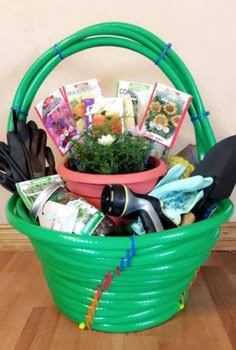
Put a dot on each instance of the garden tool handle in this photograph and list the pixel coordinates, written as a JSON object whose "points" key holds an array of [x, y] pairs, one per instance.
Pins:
{"points": [[188, 219]]}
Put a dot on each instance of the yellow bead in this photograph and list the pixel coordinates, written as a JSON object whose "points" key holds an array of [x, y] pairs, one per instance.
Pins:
{"points": [[82, 325]]}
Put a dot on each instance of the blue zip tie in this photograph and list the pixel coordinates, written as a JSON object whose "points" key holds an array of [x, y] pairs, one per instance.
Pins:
{"points": [[132, 238], [199, 117], [122, 264], [59, 52], [163, 53], [195, 118], [19, 111], [128, 258]]}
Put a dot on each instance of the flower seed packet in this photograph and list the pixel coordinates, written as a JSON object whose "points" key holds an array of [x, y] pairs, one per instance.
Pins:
{"points": [[76, 93], [140, 94], [164, 115], [58, 120]]}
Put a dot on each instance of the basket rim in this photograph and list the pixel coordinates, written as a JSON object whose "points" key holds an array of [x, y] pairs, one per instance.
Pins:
{"points": [[20, 219]]}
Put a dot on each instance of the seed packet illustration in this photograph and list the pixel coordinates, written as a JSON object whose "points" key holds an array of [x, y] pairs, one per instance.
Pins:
{"points": [[140, 94], [108, 112], [165, 114], [128, 115], [75, 94], [89, 112], [58, 120]]}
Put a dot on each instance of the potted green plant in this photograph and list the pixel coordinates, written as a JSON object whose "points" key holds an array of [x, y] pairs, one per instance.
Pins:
{"points": [[104, 155]]}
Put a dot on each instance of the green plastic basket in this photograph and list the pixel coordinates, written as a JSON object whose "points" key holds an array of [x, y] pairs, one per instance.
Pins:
{"points": [[156, 270]]}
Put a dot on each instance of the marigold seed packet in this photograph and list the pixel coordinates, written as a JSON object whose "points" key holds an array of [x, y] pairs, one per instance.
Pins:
{"points": [[76, 93], [165, 114], [58, 120]]}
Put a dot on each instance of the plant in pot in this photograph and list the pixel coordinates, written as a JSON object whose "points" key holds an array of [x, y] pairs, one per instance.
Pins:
{"points": [[106, 155]]}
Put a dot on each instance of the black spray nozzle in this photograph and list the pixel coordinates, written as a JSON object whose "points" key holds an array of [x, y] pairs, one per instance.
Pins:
{"points": [[119, 200], [114, 200]]}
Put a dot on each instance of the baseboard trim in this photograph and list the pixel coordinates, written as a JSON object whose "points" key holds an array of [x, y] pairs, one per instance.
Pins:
{"points": [[227, 239], [12, 240]]}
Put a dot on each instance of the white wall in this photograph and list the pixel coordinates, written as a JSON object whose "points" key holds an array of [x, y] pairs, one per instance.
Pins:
{"points": [[202, 33]]}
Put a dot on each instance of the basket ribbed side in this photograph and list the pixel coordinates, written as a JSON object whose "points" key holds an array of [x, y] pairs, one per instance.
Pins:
{"points": [[146, 293]]}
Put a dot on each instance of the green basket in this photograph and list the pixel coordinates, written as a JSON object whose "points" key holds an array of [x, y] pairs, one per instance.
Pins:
{"points": [[120, 284]]}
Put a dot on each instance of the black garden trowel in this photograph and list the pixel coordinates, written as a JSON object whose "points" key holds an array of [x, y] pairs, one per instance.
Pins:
{"points": [[220, 164]]}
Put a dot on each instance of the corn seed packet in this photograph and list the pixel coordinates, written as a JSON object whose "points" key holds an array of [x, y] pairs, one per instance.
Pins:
{"points": [[140, 94], [58, 120]]}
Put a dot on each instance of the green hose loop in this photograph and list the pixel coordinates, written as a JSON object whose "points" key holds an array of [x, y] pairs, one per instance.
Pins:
{"points": [[173, 67], [155, 287]]}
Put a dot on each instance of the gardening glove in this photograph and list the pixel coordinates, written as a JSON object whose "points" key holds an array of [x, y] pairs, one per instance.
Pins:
{"points": [[10, 171], [178, 196], [51, 168], [34, 141], [18, 153], [35, 145], [26, 155]]}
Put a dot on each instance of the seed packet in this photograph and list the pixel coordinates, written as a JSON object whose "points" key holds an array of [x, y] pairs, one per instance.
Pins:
{"points": [[58, 120], [128, 115], [105, 110], [164, 115], [30, 189], [140, 94], [76, 93]]}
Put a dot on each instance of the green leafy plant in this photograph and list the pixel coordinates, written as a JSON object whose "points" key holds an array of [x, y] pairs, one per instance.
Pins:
{"points": [[101, 151]]}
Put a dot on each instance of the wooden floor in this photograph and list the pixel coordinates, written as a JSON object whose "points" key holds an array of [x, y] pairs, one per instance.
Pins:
{"points": [[29, 319]]}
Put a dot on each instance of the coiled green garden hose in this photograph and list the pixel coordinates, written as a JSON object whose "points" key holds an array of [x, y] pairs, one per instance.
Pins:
{"points": [[151, 274], [122, 35]]}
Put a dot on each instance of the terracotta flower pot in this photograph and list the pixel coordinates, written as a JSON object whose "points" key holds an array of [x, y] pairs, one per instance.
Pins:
{"points": [[90, 186]]}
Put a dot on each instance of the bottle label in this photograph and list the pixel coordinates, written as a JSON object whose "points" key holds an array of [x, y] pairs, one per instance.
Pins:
{"points": [[76, 216]]}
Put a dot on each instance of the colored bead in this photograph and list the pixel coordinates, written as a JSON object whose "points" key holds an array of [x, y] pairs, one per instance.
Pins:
{"points": [[82, 325]]}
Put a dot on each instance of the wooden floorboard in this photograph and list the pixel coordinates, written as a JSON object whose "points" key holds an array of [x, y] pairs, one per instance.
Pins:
{"points": [[29, 320], [223, 294]]}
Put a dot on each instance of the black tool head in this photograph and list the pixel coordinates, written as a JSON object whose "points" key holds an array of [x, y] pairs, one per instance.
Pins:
{"points": [[220, 163]]}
